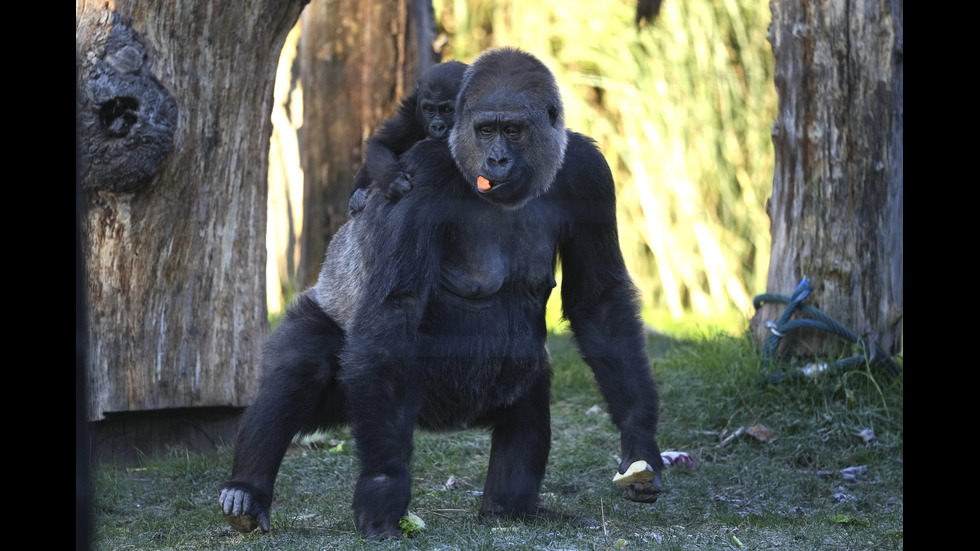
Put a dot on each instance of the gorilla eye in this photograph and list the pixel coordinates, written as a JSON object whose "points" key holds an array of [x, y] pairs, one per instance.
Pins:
{"points": [[513, 132], [446, 109], [486, 130], [428, 109]]}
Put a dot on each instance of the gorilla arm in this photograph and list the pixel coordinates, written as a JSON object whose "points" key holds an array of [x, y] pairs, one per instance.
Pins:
{"points": [[382, 149], [599, 300], [404, 261], [396, 136], [379, 362]]}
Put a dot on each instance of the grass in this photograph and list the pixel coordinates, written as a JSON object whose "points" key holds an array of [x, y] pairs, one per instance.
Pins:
{"points": [[791, 492]]}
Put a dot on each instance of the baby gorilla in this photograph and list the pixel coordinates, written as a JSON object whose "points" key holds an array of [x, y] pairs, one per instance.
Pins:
{"points": [[427, 112]]}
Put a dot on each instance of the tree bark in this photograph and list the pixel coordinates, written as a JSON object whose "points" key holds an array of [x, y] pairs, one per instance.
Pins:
{"points": [[173, 122], [837, 203], [358, 58]]}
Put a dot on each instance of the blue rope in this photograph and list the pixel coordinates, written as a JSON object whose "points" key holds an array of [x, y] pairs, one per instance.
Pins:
{"points": [[816, 320]]}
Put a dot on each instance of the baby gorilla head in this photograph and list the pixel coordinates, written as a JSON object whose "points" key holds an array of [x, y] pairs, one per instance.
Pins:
{"points": [[437, 98], [427, 113]]}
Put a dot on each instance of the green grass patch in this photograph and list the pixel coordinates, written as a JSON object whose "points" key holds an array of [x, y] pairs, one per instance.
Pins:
{"points": [[816, 484]]}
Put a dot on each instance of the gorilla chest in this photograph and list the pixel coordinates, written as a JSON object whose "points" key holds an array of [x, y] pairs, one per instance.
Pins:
{"points": [[498, 258], [483, 333]]}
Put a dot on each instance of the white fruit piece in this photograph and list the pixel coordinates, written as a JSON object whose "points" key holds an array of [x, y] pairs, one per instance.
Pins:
{"points": [[639, 472]]}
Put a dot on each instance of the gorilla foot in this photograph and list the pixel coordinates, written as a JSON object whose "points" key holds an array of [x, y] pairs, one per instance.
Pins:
{"points": [[243, 511]]}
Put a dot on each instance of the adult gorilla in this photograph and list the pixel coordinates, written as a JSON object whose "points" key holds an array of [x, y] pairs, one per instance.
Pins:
{"points": [[447, 329]]}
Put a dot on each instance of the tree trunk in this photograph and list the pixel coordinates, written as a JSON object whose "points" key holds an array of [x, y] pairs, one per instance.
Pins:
{"points": [[837, 201], [358, 58], [174, 104]]}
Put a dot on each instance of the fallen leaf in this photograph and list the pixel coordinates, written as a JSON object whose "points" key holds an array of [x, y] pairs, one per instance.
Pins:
{"points": [[867, 435], [453, 483], [844, 519], [761, 432], [851, 473]]}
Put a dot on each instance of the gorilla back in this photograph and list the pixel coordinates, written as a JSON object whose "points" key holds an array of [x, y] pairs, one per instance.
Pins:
{"points": [[441, 301]]}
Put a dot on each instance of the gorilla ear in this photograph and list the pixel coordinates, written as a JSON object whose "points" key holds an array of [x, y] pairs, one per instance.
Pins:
{"points": [[553, 114]]}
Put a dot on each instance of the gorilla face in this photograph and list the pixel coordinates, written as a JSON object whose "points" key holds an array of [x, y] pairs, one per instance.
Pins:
{"points": [[510, 136], [437, 98], [439, 117]]}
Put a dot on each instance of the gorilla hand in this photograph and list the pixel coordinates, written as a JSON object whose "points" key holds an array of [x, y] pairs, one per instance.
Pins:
{"points": [[398, 187], [640, 479], [380, 501], [357, 201], [243, 510]]}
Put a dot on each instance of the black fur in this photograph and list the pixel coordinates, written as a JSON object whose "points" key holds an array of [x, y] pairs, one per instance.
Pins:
{"points": [[428, 112], [448, 329], [298, 394]]}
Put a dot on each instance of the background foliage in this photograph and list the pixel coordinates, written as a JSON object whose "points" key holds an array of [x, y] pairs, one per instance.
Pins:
{"points": [[681, 109]]}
